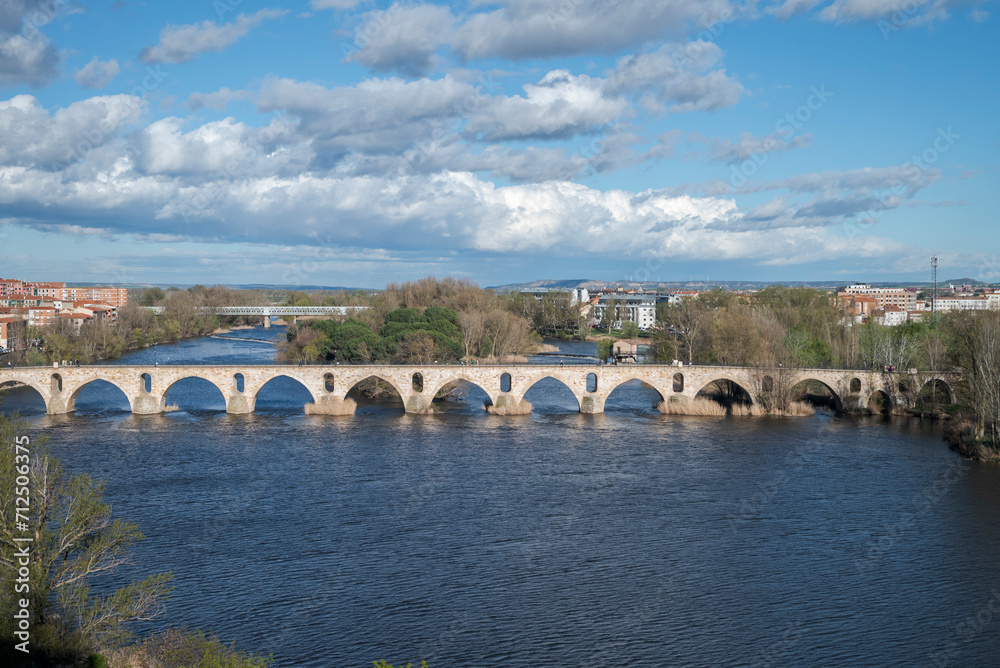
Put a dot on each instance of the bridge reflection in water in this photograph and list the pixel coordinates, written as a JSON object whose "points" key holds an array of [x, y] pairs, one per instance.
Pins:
{"points": [[146, 387]]}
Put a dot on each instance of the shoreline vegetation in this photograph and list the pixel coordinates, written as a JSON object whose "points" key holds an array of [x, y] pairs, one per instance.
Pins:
{"points": [[450, 320]]}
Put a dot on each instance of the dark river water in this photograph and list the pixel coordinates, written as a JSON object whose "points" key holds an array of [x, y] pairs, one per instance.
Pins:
{"points": [[555, 539]]}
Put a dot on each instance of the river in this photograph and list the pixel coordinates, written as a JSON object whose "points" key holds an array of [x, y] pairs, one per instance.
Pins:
{"points": [[628, 538]]}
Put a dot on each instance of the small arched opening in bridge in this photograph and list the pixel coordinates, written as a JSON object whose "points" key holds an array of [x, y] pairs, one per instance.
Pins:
{"points": [[727, 393], [635, 396], [592, 382], [25, 399], [55, 384], [328, 382], [816, 393], [417, 382], [195, 396], [145, 383], [678, 382], [767, 384], [549, 395], [934, 396], [97, 397], [239, 383], [375, 394], [505, 382], [855, 387], [282, 394], [879, 402], [460, 395]]}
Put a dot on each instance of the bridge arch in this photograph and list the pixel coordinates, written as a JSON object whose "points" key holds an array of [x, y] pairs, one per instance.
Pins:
{"points": [[934, 385], [223, 390], [445, 383], [27, 382], [879, 402], [838, 401], [378, 376], [305, 387], [620, 390], [521, 388], [621, 380], [719, 379], [74, 393]]}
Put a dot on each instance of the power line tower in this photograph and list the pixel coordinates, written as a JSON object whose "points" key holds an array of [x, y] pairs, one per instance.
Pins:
{"points": [[934, 265]]}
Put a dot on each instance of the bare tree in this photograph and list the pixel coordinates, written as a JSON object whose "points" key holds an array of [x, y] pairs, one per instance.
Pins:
{"points": [[473, 330]]}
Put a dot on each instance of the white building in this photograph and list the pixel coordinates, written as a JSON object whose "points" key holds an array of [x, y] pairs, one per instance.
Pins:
{"points": [[961, 303], [675, 298], [637, 308], [893, 317], [576, 295]]}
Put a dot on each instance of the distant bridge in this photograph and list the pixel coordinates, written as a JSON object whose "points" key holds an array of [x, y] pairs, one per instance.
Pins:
{"points": [[266, 312], [146, 387]]}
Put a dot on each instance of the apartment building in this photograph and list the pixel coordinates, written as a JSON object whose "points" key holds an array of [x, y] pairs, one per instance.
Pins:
{"points": [[12, 290], [961, 303], [885, 298], [7, 323], [637, 308]]}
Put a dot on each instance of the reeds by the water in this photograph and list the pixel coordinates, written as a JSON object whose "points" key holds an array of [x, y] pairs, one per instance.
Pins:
{"points": [[696, 406], [708, 407]]}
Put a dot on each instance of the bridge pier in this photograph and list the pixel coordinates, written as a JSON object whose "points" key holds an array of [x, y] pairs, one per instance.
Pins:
{"points": [[60, 404], [417, 402], [592, 402], [267, 322], [148, 404]]}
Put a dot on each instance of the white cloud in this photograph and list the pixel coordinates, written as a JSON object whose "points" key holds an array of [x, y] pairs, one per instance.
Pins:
{"points": [[376, 116], [179, 44], [30, 136], [522, 29], [749, 145], [24, 60], [677, 78], [97, 73], [227, 147], [434, 212], [560, 105], [401, 39]]}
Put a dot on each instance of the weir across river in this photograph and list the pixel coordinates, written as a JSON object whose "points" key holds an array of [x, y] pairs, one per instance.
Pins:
{"points": [[146, 387]]}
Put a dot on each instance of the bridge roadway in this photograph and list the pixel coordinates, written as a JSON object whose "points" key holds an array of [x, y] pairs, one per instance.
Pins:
{"points": [[266, 312], [146, 387]]}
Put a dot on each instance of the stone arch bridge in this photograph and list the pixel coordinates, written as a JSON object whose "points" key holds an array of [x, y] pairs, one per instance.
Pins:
{"points": [[146, 387]]}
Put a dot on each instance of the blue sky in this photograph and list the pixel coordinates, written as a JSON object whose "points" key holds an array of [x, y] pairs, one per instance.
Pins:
{"points": [[340, 142]]}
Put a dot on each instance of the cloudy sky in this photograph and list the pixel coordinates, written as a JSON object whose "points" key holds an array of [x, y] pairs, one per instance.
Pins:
{"points": [[352, 142]]}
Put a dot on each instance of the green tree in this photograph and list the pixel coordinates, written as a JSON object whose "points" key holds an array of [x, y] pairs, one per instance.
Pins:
{"points": [[610, 314], [152, 296], [663, 349], [75, 541]]}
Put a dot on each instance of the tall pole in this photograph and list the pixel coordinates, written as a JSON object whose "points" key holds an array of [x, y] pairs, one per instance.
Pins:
{"points": [[934, 266]]}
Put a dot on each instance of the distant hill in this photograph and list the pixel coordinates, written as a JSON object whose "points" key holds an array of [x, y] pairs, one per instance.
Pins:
{"points": [[591, 284], [963, 281]]}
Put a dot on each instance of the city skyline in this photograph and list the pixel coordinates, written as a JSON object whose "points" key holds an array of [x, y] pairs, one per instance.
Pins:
{"points": [[336, 142]]}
